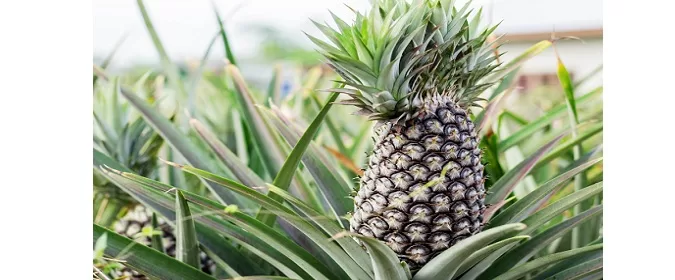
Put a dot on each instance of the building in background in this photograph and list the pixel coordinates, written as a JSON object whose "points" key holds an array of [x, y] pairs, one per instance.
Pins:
{"points": [[525, 22]]}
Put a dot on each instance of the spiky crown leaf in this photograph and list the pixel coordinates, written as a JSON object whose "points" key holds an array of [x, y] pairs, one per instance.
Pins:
{"points": [[401, 52]]}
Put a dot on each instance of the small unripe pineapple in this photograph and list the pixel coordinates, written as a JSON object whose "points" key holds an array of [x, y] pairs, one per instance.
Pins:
{"points": [[133, 223], [416, 68]]}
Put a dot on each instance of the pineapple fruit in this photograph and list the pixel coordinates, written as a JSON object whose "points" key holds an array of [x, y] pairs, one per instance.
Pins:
{"points": [[132, 225], [416, 68]]}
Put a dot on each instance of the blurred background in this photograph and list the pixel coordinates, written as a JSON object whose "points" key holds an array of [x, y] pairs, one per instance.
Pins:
{"points": [[270, 32]]}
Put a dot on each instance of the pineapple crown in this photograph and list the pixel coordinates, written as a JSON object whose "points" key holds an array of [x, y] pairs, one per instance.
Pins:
{"points": [[400, 53]]}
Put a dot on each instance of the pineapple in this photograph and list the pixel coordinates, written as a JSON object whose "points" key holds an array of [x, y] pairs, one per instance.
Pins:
{"points": [[416, 68], [132, 225]]}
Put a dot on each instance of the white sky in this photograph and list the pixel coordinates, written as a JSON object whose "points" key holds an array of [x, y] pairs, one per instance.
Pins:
{"points": [[186, 27]]}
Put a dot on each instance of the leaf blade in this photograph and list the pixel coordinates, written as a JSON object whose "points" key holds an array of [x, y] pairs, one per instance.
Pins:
{"points": [[146, 260]]}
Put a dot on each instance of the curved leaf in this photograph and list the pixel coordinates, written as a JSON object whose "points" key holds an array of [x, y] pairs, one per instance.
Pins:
{"points": [[542, 262], [287, 171], [542, 216], [249, 233], [486, 251], [446, 264], [532, 201], [385, 263], [230, 159], [501, 189], [563, 265], [334, 188], [584, 269], [523, 252], [320, 239], [148, 261], [552, 114]]}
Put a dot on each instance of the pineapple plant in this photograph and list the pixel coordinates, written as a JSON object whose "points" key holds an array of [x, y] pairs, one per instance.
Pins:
{"points": [[137, 147], [482, 199], [415, 69]]}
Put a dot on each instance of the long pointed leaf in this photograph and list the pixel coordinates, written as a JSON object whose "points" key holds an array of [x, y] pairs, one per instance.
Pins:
{"points": [[542, 216], [169, 67], [385, 262], [177, 140], [156, 240], [552, 114], [223, 35], [481, 254], [287, 171], [523, 207], [331, 184], [227, 157], [446, 264], [522, 270], [523, 252], [501, 189], [519, 60], [187, 247], [570, 263], [146, 260], [236, 225], [340, 257]]}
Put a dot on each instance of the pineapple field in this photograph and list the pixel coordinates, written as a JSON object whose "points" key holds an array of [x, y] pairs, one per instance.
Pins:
{"points": [[407, 150]]}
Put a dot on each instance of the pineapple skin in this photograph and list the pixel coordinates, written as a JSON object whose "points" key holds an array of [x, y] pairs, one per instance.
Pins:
{"points": [[397, 204]]}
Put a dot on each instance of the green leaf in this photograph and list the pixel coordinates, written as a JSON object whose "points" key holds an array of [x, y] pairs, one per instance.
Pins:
{"points": [[588, 76], [214, 243], [519, 60], [111, 55], [248, 232], [542, 262], [501, 189], [100, 245], [187, 247], [528, 204], [570, 263], [525, 251], [223, 35], [287, 171], [578, 237], [568, 88], [506, 83], [262, 132], [446, 264], [491, 111], [332, 128], [585, 269], [226, 156], [552, 114], [542, 216], [330, 227], [197, 76], [334, 188], [169, 67], [101, 159], [177, 140], [561, 149], [146, 260], [338, 255], [156, 240], [386, 264], [481, 254]]}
